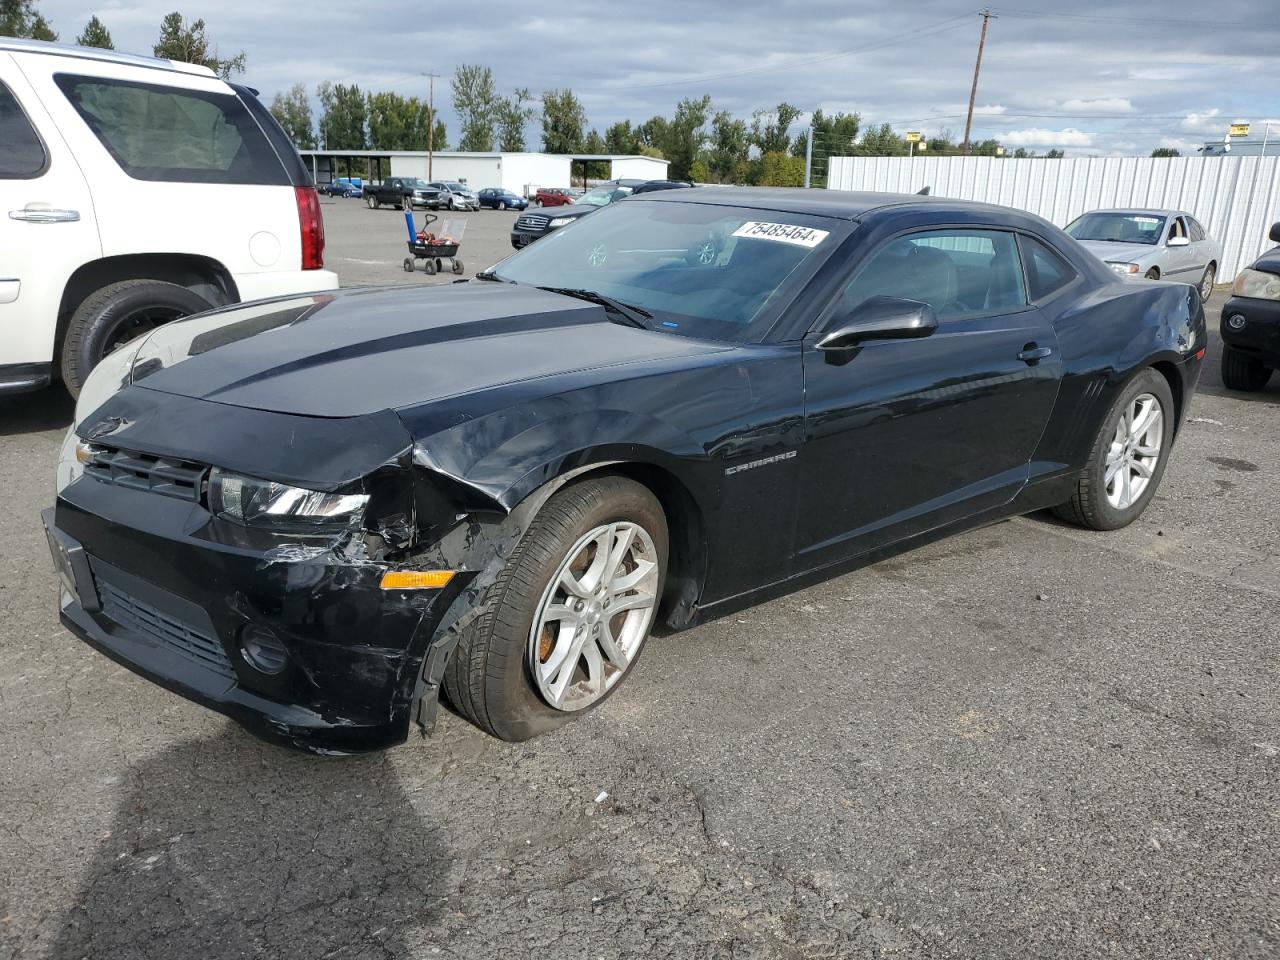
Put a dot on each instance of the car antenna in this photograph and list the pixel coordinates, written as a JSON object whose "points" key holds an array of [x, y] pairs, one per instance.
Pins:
{"points": [[922, 192]]}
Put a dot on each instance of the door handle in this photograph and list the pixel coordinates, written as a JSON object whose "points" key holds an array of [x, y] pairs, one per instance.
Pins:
{"points": [[43, 213], [10, 287], [1033, 354]]}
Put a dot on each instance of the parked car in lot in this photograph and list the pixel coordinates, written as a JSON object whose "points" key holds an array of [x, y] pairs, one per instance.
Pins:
{"points": [[530, 226], [499, 199], [552, 197], [451, 195], [345, 187], [137, 191], [399, 192], [1155, 244], [313, 514], [1250, 324]]}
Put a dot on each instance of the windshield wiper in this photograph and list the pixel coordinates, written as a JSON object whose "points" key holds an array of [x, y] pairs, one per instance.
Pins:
{"points": [[636, 316], [490, 275]]}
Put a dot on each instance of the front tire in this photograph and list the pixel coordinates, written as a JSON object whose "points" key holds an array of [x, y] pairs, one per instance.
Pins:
{"points": [[1243, 372], [567, 617], [502, 204], [372, 202], [1153, 273], [116, 314], [1128, 458]]}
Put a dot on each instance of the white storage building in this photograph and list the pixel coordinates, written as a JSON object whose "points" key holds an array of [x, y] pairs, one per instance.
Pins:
{"points": [[518, 172]]}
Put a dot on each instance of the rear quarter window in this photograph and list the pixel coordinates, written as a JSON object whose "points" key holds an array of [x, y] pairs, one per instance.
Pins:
{"points": [[21, 152], [163, 133]]}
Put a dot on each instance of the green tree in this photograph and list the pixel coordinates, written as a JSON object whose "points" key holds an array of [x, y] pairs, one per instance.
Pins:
{"points": [[770, 129], [881, 141], [620, 138], [687, 136], [512, 114], [726, 154], [834, 135], [1022, 153], [1166, 152], [1054, 155], [96, 34], [475, 101], [187, 43], [654, 134], [19, 18], [293, 112], [779, 169], [564, 122], [343, 113], [986, 148]]}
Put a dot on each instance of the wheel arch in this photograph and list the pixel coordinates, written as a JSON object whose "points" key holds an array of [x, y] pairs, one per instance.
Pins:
{"points": [[1169, 370], [204, 276]]}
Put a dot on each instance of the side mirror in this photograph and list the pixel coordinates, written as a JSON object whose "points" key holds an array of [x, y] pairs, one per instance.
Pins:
{"points": [[1178, 242], [881, 318], [1274, 235]]}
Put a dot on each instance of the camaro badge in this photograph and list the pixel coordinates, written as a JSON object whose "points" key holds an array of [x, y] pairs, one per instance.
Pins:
{"points": [[730, 471]]}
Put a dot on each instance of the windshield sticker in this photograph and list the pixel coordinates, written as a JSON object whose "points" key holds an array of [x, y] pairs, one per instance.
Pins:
{"points": [[781, 233], [1150, 220]]}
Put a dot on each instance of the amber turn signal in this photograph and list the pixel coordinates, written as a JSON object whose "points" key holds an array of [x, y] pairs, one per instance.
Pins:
{"points": [[415, 579]]}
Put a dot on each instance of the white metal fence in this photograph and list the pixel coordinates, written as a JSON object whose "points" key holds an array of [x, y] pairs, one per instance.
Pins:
{"points": [[1236, 198]]}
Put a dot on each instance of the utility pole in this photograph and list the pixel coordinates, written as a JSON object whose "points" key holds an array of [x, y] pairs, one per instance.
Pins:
{"points": [[973, 91], [431, 121], [808, 156]]}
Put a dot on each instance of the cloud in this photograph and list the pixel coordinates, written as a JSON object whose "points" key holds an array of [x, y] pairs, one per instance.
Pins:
{"points": [[1108, 105], [1040, 137], [1210, 121]]}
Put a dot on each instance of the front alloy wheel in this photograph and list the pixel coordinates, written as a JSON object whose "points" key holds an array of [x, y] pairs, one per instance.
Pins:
{"points": [[561, 625], [594, 615]]}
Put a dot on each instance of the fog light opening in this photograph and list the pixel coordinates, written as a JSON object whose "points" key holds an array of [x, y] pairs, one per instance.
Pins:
{"points": [[262, 649], [1236, 321]]}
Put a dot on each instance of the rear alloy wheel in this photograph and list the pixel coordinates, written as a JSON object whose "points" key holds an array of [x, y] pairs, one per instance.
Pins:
{"points": [[116, 314], [1128, 457], [567, 617], [372, 201], [1206, 283], [1243, 372]]}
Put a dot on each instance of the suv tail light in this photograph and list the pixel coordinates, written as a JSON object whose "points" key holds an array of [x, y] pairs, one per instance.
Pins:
{"points": [[311, 223]]}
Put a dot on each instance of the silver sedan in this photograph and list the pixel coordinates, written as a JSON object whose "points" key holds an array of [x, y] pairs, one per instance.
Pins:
{"points": [[1156, 244]]}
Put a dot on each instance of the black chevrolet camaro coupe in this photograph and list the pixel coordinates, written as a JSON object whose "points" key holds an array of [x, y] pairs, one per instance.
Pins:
{"points": [[315, 514]]}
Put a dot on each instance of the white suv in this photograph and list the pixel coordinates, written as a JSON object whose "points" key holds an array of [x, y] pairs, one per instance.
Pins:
{"points": [[134, 191]]}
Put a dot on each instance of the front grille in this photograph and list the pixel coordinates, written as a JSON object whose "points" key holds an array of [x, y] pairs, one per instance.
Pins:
{"points": [[143, 471], [533, 222], [132, 614]]}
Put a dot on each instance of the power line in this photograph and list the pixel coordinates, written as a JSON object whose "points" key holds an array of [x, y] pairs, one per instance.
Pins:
{"points": [[1144, 21], [940, 27]]}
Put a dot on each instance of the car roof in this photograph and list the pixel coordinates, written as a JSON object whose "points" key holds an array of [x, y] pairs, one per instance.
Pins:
{"points": [[838, 204], [14, 45], [1142, 211]]}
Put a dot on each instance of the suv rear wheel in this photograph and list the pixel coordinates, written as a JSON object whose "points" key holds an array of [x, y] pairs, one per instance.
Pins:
{"points": [[372, 201], [116, 314]]}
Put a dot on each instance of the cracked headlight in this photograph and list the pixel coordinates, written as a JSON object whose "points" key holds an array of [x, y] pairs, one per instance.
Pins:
{"points": [[260, 503]]}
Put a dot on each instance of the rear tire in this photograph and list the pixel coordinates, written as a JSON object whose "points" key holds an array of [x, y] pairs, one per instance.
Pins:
{"points": [[1118, 456], [372, 202], [1206, 282], [116, 314], [489, 679], [1243, 372]]}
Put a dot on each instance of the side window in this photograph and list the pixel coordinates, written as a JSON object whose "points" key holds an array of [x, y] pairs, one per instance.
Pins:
{"points": [[1197, 231], [21, 152], [169, 134], [957, 272], [1178, 229], [1047, 272]]}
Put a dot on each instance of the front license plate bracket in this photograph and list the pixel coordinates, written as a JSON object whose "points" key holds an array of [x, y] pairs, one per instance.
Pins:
{"points": [[71, 563]]}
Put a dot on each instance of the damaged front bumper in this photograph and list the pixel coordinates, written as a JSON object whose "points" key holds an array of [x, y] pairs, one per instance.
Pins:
{"points": [[301, 645]]}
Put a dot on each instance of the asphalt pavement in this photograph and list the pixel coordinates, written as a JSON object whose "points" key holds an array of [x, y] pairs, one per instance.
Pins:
{"points": [[1027, 741]]}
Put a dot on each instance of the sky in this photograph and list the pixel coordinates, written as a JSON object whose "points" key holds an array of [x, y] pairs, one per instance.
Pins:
{"points": [[1090, 78]]}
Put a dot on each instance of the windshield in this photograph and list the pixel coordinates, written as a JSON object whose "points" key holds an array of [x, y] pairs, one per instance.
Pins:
{"points": [[701, 270], [599, 196], [413, 182], [456, 187], [1118, 227]]}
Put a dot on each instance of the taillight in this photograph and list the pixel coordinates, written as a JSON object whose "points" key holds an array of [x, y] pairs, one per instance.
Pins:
{"points": [[311, 224]]}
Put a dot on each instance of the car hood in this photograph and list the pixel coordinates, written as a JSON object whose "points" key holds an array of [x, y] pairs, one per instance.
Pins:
{"points": [[1115, 252], [1269, 261], [351, 353]]}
